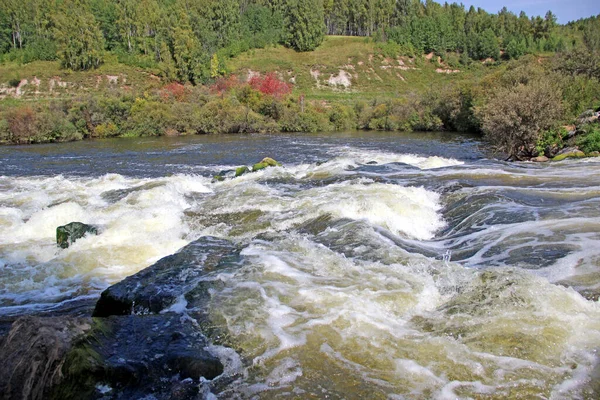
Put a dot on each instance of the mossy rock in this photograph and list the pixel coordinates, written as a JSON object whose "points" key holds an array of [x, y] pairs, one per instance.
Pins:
{"points": [[593, 154], [218, 178], [571, 154], [68, 234], [241, 171], [266, 162], [259, 166], [270, 162]]}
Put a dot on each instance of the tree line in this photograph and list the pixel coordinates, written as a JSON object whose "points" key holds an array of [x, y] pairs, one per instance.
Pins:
{"points": [[188, 40]]}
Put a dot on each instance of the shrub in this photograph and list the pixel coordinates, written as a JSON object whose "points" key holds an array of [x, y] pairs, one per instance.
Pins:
{"points": [[149, 118], [173, 91], [551, 141], [591, 141], [514, 117], [22, 124], [311, 120], [14, 82], [271, 85], [342, 117], [224, 85]]}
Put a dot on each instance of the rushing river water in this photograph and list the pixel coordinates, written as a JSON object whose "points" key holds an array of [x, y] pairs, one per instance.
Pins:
{"points": [[374, 265]]}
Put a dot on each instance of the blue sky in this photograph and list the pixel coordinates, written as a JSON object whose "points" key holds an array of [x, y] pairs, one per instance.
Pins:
{"points": [[565, 10]]}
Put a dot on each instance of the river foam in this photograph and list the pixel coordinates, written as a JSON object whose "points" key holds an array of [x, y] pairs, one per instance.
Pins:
{"points": [[139, 220], [367, 270]]}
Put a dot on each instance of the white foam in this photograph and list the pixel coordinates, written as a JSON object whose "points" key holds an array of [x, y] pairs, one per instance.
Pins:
{"points": [[412, 211], [138, 229], [363, 156]]}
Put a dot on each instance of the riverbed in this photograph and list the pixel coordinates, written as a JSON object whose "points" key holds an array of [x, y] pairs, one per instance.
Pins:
{"points": [[374, 265]]}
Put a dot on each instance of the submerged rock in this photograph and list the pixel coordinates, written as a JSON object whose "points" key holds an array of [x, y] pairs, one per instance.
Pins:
{"points": [[164, 283], [68, 234]]}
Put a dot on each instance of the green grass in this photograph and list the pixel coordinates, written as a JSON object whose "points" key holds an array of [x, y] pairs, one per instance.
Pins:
{"points": [[373, 75]]}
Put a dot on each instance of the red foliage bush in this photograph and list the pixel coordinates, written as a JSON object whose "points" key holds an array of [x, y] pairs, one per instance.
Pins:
{"points": [[271, 85], [173, 90], [224, 84]]}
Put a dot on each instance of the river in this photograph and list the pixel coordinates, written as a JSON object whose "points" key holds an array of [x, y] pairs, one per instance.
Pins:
{"points": [[375, 265]]}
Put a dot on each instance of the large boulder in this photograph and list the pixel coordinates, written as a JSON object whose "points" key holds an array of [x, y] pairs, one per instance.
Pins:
{"points": [[166, 282], [121, 357], [138, 356], [68, 234]]}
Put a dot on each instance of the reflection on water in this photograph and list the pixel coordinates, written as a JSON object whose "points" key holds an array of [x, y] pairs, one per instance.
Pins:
{"points": [[375, 265]]}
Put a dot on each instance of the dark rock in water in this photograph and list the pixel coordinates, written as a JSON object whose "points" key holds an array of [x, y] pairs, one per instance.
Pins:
{"points": [[159, 286], [113, 196], [68, 234], [34, 352], [140, 349], [136, 356], [119, 357]]}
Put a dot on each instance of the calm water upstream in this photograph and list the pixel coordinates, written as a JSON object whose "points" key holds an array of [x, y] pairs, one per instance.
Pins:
{"points": [[375, 265]]}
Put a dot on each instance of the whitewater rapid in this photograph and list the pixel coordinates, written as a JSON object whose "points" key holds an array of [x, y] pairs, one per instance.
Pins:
{"points": [[366, 274]]}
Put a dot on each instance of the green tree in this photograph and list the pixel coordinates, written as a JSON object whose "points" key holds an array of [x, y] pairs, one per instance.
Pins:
{"points": [[487, 46], [304, 21], [516, 49], [79, 38]]}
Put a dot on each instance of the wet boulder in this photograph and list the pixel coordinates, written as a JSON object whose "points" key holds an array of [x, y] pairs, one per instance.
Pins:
{"points": [[166, 282], [120, 357], [68, 234], [137, 356]]}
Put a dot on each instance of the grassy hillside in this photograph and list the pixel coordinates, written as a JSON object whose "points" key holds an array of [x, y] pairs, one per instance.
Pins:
{"points": [[351, 68], [40, 80], [343, 69]]}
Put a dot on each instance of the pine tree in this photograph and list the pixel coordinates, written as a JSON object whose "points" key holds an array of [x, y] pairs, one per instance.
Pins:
{"points": [[79, 39], [304, 21]]}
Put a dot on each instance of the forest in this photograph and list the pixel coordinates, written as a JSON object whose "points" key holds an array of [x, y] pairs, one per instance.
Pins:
{"points": [[189, 40], [188, 43]]}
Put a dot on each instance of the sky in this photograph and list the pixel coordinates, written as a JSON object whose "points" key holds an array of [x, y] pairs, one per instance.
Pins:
{"points": [[565, 10]]}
